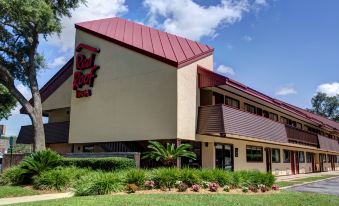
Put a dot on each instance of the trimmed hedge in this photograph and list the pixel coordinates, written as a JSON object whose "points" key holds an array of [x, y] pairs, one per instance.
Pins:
{"points": [[105, 164]]}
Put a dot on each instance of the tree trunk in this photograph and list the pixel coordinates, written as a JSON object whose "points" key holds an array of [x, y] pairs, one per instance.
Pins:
{"points": [[38, 129]]}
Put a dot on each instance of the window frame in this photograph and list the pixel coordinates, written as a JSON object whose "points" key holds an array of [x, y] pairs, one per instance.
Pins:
{"points": [[301, 152], [256, 148], [246, 106], [289, 156], [309, 154], [279, 158]]}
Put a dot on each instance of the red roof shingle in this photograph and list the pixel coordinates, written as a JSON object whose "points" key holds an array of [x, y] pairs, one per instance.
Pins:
{"points": [[168, 48]]}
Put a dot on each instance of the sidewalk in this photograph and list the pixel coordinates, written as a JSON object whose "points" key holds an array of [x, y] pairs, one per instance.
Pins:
{"points": [[33, 198], [301, 176]]}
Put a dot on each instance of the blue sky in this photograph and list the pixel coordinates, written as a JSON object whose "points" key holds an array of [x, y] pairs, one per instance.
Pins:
{"points": [[287, 49]]}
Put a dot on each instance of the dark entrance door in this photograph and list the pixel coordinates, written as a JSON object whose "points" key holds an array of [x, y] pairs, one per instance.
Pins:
{"points": [[268, 159], [294, 162], [224, 156], [313, 162], [322, 158]]}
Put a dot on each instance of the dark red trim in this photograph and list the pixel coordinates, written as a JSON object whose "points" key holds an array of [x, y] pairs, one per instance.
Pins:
{"points": [[85, 46], [55, 82], [147, 53]]}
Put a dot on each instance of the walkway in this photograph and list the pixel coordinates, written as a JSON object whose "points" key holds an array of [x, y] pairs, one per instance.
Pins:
{"points": [[33, 198], [330, 187], [300, 176]]}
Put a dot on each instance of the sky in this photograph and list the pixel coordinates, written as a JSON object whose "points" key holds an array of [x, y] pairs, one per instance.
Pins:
{"points": [[287, 49]]}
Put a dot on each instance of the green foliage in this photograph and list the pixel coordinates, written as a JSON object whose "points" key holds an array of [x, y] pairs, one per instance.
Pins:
{"points": [[7, 103], [169, 154], [166, 177], [189, 176], [99, 183], [12, 176], [136, 177], [39, 162], [327, 106], [59, 178], [105, 164]]}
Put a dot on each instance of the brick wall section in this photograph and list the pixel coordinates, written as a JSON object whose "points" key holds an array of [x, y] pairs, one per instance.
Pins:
{"points": [[16, 159]]}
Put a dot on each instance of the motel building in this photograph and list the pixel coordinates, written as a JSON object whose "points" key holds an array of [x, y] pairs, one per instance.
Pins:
{"points": [[129, 83]]}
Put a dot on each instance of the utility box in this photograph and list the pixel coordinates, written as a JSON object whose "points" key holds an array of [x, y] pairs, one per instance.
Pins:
{"points": [[2, 130]]}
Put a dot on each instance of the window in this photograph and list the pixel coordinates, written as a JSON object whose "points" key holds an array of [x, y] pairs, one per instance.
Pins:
{"points": [[299, 125], [287, 156], [232, 102], [301, 157], [88, 148], [218, 98], [259, 111], [322, 158], [273, 116], [337, 159], [284, 120], [265, 114], [254, 154], [309, 157], [250, 108], [276, 155]]}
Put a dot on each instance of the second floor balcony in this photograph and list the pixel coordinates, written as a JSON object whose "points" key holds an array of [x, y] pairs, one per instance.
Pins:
{"points": [[221, 119]]}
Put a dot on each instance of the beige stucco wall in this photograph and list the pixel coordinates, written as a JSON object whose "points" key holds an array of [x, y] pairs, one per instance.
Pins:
{"points": [[188, 97], [61, 98], [59, 115], [134, 98]]}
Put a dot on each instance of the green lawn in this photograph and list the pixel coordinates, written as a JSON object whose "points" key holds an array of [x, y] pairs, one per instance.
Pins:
{"points": [[304, 180], [15, 191], [282, 198]]}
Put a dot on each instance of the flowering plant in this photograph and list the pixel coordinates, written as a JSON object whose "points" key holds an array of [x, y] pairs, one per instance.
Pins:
{"points": [[275, 187], [227, 188], [213, 186], [244, 189], [149, 184], [195, 188]]}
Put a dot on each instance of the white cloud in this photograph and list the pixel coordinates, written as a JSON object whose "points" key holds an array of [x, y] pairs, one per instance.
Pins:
{"points": [[189, 19], [248, 38], [94, 9], [286, 90], [261, 2], [330, 89], [57, 62], [27, 94], [222, 69]]}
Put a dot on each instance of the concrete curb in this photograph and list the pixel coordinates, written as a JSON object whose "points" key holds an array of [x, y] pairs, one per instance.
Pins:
{"points": [[34, 198], [306, 183]]}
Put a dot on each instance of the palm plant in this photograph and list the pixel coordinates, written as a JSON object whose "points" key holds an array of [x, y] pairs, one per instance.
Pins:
{"points": [[169, 154], [40, 161]]}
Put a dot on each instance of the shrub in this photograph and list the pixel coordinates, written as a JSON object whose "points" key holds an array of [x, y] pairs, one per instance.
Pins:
{"points": [[189, 176], [213, 186], [253, 188], [205, 184], [38, 162], [58, 179], [136, 177], [12, 176], [131, 188], [99, 183], [221, 177], [165, 177], [206, 175], [182, 187], [263, 188], [105, 164], [195, 188], [149, 184], [226, 188], [244, 189]]}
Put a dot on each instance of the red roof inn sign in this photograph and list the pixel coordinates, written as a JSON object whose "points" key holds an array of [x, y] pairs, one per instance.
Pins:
{"points": [[83, 79]]}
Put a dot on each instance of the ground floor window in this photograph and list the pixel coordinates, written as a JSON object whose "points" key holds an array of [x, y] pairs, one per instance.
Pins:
{"points": [[88, 148], [301, 157], [287, 156], [276, 155], [254, 153], [309, 157]]}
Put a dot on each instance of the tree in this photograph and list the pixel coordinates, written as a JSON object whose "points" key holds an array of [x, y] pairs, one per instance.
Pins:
{"points": [[327, 106], [22, 24], [169, 154], [7, 103]]}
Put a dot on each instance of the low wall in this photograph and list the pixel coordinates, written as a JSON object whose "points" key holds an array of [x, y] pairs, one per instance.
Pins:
{"points": [[9, 161]]}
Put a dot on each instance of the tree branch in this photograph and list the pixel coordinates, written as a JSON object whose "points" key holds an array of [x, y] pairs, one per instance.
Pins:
{"points": [[8, 81]]}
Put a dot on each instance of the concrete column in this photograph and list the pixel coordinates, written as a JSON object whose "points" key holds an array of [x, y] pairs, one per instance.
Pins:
{"points": [[208, 155], [137, 159], [179, 159]]}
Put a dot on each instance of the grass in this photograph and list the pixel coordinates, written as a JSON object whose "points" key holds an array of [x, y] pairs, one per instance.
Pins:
{"points": [[303, 180], [282, 198], [15, 191]]}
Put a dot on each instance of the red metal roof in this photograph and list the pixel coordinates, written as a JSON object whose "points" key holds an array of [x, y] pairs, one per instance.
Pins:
{"points": [[209, 78], [171, 49]]}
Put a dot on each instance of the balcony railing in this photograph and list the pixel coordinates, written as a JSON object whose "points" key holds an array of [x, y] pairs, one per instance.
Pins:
{"points": [[222, 119]]}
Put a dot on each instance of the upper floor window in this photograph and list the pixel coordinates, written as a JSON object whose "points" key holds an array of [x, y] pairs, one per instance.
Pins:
{"points": [[254, 154], [218, 98], [273, 116], [265, 114], [311, 129], [232, 102], [250, 108], [299, 125]]}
